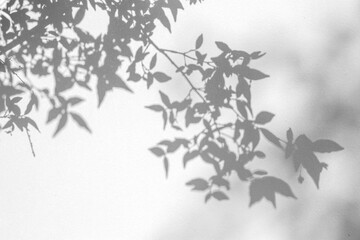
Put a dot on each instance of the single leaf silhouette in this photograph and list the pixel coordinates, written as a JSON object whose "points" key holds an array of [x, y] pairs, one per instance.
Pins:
{"points": [[174, 5], [208, 196], [173, 146], [15, 100], [80, 121], [79, 15], [165, 117], [198, 184], [199, 41], [61, 124], [153, 61], [117, 82], [166, 166], [223, 47], [32, 123], [157, 151], [304, 143], [289, 148], [264, 117], [266, 187], [172, 117], [101, 89], [253, 74], [310, 162], [75, 101], [313, 168], [241, 107], [289, 135], [166, 143], [33, 102], [259, 154], [326, 146], [93, 4], [160, 14], [256, 55], [139, 55], [161, 77], [189, 156], [220, 195], [271, 137], [53, 113], [156, 108], [165, 99]]}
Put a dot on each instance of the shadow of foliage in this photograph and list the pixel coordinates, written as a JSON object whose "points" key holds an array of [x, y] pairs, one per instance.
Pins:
{"points": [[42, 38]]}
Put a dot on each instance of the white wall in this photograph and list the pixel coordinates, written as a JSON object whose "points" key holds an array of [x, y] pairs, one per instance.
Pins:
{"points": [[108, 185]]}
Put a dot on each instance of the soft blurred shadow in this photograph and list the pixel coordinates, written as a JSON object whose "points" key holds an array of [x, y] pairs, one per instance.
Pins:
{"points": [[117, 189], [313, 62]]}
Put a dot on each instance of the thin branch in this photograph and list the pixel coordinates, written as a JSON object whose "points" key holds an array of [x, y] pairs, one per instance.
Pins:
{"points": [[30, 142], [177, 67], [187, 56]]}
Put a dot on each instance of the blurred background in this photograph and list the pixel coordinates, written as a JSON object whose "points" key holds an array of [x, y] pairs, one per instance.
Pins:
{"points": [[109, 186]]}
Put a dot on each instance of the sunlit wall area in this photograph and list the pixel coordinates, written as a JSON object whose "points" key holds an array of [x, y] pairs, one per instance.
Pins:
{"points": [[108, 185], [314, 79]]}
